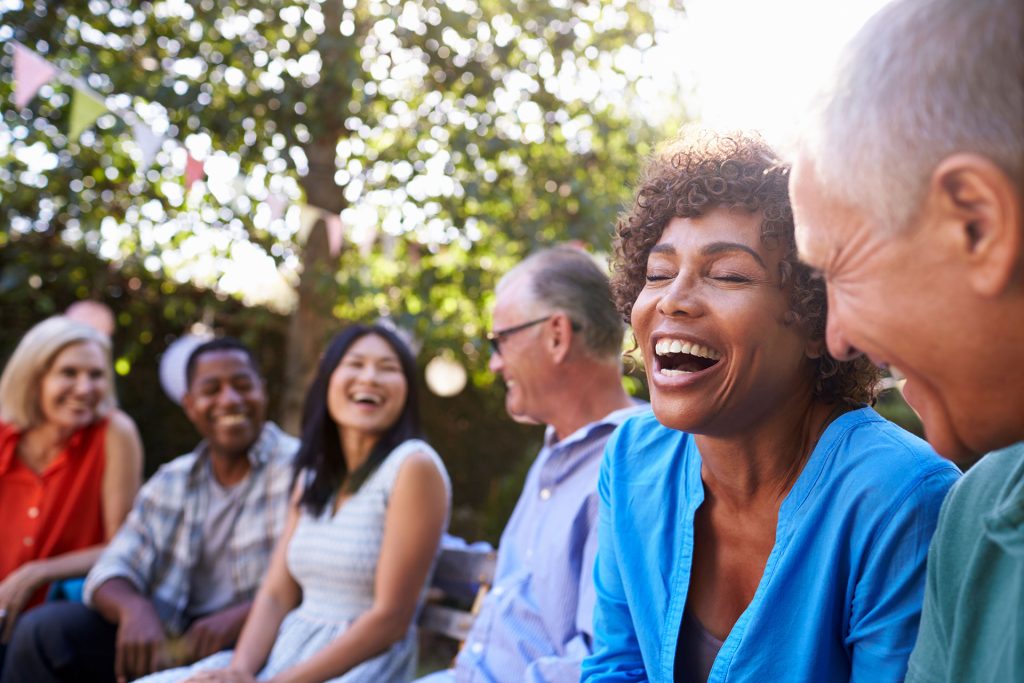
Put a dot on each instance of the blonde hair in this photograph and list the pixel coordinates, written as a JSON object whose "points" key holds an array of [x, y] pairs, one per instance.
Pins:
{"points": [[35, 353]]}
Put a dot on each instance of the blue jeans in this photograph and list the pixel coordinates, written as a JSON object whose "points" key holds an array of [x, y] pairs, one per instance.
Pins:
{"points": [[60, 641]]}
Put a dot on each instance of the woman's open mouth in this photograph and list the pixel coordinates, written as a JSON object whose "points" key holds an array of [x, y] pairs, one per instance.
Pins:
{"points": [[675, 357]]}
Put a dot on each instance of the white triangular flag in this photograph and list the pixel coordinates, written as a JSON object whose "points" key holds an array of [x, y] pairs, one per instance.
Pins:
{"points": [[149, 143], [278, 205], [308, 216]]}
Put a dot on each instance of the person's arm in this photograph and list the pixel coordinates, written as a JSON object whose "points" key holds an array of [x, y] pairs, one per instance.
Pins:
{"points": [[121, 475], [122, 472], [886, 607], [140, 635], [616, 650], [412, 530], [929, 658], [566, 667], [217, 631]]}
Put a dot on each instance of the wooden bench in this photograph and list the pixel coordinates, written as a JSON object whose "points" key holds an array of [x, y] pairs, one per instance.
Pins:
{"points": [[461, 581]]}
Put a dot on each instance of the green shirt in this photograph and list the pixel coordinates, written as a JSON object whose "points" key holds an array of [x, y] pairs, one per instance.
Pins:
{"points": [[972, 623]]}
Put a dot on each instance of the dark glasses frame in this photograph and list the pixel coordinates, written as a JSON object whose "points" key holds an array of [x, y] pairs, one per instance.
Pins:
{"points": [[496, 337]]}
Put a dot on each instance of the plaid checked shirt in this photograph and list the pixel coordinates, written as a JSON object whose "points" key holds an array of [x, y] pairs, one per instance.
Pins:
{"points": [[159, 544]]}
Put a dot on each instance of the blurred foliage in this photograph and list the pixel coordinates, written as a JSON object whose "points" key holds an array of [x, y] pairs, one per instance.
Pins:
{"points": [[453, 138]]}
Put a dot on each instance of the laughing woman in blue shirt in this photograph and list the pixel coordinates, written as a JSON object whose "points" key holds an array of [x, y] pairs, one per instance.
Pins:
{"points": [[762, 524]]}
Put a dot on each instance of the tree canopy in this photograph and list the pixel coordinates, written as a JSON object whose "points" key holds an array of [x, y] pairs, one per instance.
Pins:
{"points": [[451, 137]]}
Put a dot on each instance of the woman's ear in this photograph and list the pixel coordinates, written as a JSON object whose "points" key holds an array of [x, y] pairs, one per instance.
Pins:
{"points": [[978, 208], [814, 348]]}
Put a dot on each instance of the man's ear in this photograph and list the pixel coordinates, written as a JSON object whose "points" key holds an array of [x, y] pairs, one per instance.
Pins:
{"points": [[188, 405], [560, 336], [981, 206]]}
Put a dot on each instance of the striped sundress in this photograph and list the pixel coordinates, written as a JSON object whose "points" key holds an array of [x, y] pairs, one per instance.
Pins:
{"points": [[333, 557]]}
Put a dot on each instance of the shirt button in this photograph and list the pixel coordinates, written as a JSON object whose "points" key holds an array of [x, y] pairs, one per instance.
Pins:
{"points": [[33, 512], [498, 591], [529, 554], [477, 648], [28, 541], [545, 494]]}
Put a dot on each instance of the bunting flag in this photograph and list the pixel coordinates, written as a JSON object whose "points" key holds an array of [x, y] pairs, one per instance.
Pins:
{"points": [[84, 110], [278, 205], [193, 171], [332, 222], [308, 216], [148, 142], [367, 239], [31, 72]]}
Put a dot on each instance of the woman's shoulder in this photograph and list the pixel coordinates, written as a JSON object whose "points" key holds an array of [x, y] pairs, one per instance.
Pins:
{"points": [[883, 447], [641, 435], [413, 454], [880, 464]]}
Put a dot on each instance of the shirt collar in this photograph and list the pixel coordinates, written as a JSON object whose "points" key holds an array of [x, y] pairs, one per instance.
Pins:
{"points": [[613, 419], [259, 453], [1004, 525]]}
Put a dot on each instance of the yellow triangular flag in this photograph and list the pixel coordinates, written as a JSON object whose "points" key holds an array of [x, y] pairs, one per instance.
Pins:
{"points": [[84, 110]]}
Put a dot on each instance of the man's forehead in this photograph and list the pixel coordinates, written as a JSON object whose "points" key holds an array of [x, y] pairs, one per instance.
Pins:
{"points": [[223, 362], [810, 216], [512, 293]]}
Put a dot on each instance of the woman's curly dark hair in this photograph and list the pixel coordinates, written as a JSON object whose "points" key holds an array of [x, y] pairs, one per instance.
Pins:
{"points": [[701, 171]]}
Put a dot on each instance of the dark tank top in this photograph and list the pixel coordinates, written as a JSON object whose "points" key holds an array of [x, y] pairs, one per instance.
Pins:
{"points": [[696, 650]]}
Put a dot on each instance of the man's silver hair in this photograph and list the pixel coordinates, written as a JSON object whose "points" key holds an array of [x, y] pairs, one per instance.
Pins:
{"points": [[924, 79], [568, 280]]}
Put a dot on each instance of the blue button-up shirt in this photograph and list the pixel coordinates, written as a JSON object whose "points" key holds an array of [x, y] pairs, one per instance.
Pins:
{"points": [[841, 593], [536, 623]]}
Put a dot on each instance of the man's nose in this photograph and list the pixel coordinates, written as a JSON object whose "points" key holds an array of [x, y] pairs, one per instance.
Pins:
{"points": [[228, 394], [838, 345], [496, 363]]}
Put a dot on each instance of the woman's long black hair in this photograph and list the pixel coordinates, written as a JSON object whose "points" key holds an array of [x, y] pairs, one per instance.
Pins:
{"points": [[320, 451]]}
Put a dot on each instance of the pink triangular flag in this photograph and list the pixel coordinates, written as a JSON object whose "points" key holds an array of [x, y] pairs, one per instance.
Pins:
{"points": [[332, 222], [193, 171], [31, 72]]}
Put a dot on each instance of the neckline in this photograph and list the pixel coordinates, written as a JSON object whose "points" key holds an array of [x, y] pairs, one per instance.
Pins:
{"points": [[798, 494]]}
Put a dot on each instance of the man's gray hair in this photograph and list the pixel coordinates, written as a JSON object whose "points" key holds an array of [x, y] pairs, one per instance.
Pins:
{"points": [[924, 79], [568, 279]]}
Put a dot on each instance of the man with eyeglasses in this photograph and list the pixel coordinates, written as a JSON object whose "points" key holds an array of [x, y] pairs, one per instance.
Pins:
{"points": [[557, 345]]}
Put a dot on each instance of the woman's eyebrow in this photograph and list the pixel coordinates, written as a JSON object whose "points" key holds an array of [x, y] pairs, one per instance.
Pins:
{"points": [[719, 247]]}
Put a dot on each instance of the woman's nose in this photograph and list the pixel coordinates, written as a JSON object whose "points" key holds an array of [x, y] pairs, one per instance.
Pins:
{"points": [[680, 297]]}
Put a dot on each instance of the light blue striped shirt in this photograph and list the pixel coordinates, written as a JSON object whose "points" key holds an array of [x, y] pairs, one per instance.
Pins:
{"points": [[536, 623]]}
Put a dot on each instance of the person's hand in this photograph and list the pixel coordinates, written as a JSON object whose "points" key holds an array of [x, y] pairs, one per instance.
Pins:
{"points": [[15, 591], [222, 676], [215, 632], [140, 639]]}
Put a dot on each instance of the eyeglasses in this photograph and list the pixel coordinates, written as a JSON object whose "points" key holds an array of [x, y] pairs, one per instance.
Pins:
{"points": [[498, 336]]}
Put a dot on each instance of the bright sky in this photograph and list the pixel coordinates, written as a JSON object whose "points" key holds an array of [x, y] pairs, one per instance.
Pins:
{"points": [[753, 63]]}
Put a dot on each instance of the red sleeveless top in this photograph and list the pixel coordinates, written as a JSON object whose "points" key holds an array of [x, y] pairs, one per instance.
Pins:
{"points": [[53, 512]]}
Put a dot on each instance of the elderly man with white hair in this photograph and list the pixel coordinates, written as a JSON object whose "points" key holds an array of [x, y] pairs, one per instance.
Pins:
{"points": [[907, 194]]}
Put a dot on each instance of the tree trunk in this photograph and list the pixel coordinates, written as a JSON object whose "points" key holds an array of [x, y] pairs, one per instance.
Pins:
{"points": [[312, 323]]}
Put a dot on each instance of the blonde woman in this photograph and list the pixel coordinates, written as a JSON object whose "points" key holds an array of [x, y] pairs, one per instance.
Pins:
{"points": [[70, 462]]}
